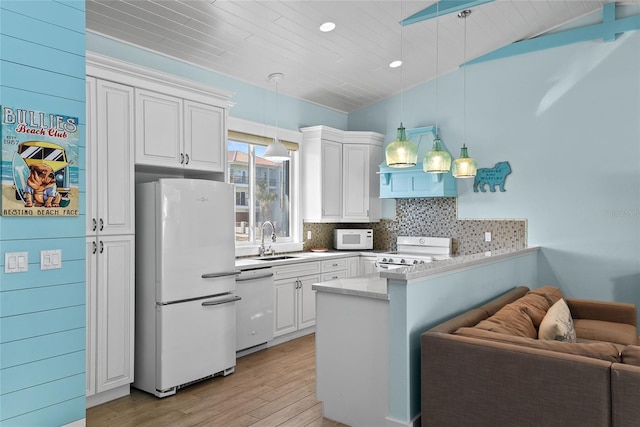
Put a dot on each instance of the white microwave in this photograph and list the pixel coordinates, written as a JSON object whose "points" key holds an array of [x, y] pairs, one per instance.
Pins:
{"points": [[353, 238]]}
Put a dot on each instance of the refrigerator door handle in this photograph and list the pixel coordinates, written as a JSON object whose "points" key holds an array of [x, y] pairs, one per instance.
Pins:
{"points": [[224, 274], [232, 298], [244, 279]]}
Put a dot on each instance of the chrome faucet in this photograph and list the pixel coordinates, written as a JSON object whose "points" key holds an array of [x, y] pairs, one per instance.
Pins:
{"points": [[261, 250]]}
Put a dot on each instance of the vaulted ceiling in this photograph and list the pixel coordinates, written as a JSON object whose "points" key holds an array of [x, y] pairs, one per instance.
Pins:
{"points": [[345, 69]]}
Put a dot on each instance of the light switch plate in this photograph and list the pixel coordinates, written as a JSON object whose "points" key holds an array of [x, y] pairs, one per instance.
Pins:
{"points": [[16, 262], [50, 259], [487, 236]]}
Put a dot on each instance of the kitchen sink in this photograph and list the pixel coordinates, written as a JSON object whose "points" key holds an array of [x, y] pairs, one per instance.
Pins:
{"points": [[276, 258]]}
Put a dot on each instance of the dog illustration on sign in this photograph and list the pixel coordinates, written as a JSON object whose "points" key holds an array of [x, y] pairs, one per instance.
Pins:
{"points": [[496, 175]]}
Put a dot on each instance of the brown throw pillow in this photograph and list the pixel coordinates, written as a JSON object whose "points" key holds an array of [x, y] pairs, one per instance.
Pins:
{"points": [[512, 319]]}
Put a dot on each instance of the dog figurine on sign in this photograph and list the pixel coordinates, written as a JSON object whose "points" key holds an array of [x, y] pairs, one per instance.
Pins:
{"points": [[496, 175], [41, 189]]}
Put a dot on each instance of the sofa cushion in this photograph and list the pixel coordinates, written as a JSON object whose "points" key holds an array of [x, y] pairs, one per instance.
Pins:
{"points": [[551, 293], [601, 330], [512, 319], [558, 324], [598, 350], [631, 355], [468, 318], [496, 304], [535, 305]]}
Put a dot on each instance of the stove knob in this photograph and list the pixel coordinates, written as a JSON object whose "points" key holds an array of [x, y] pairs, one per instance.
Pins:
{"points": [[384, 260], [415, 261], [390, 260], [421, 261], [402, 261]]}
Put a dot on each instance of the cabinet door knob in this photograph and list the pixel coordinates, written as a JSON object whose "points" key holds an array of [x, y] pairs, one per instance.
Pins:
{"points": [[95, 247], [101, 224], [181, 158], [101, 246], [95, 225], [187, 157]]}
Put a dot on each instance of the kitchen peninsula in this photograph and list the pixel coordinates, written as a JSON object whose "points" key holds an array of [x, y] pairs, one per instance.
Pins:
{"points": [[368, 329]]}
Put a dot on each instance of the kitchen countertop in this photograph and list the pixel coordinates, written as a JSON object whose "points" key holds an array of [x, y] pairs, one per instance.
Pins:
{"points": [[370, 286], [293, 257], [375, 285], [453, 264]]}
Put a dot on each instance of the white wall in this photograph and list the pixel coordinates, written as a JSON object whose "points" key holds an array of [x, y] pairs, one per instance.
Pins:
{"points": [[568, 121]]}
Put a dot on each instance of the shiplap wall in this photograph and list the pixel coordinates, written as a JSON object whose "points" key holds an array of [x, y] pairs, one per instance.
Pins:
{"points": [[42, 313]]}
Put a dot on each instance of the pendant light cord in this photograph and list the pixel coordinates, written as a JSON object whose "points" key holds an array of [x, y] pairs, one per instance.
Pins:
{"points": [[401, 68], [437, 60], [277, 97], [464, 81]]}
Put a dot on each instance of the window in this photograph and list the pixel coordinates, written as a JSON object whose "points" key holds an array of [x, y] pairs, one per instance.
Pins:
{"points": [[262, 187]]}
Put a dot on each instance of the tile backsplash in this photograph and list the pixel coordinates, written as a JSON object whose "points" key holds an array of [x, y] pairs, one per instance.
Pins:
{"points": [[437, 217]]}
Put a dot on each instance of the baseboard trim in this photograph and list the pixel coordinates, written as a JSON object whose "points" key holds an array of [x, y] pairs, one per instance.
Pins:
{"points": [[106, 396], [415, 422]]}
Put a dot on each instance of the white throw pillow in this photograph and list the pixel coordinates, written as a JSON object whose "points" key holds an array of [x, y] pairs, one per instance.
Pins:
{"points": [[557, 324]]}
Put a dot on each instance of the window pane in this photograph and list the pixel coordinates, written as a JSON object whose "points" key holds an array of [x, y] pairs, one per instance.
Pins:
{"points": [[262, 190], [272, 195], [238, 163]]}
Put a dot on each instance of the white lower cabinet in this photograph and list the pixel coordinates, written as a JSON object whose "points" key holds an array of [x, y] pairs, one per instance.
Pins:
{"points": [[295, 301], [110, 314], [340, 268], [367, 265]]}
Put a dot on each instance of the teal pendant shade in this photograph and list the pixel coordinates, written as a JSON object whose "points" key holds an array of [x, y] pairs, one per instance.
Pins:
{"points": [[401, 153], [464, 166], [437, 160]]}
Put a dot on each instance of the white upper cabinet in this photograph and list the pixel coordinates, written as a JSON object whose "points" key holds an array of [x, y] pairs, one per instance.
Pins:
{"points": [[204, 136], [159, 140], [178, 133], [330, 180], [109, 158], [339, 181]]}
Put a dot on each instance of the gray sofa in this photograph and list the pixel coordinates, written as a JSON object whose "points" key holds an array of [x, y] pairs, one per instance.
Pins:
{"points": [[478, 369]]}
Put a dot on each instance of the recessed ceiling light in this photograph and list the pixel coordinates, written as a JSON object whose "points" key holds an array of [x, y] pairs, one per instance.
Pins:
{"points": [[395, 64], [327, 26]]}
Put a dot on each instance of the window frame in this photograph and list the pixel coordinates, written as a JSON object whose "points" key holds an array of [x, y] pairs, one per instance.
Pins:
{"points": [[294, 242]]}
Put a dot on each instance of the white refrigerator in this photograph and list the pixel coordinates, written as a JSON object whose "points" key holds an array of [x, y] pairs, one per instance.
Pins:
{"points": [[185, 283]]}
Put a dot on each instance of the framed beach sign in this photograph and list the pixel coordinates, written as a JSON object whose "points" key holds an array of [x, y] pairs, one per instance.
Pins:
{"points": [[39, 163]]}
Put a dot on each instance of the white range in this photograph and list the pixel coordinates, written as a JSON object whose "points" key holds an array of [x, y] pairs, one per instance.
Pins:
{"points": [[413, 250]]}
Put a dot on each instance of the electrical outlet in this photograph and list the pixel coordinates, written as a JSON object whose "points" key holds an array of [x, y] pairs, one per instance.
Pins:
{"points": [[487, 236]]}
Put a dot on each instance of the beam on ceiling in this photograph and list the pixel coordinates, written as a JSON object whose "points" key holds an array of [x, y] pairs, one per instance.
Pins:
{"points": [[443, 7], [608, 30]]}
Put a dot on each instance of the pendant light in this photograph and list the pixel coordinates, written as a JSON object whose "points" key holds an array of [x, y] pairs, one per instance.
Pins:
{"points": [[401, 153], [464, 166], [276, 151], [437, 160]]}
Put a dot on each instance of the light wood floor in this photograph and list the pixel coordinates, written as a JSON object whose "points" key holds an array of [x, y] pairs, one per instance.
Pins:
{"points": [[273, 387]]}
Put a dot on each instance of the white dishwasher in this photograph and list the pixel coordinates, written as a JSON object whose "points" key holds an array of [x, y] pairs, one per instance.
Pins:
{"points": [[254, 312]]}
